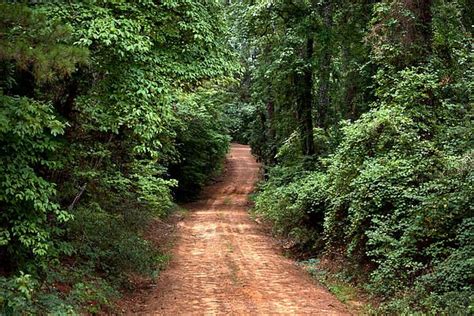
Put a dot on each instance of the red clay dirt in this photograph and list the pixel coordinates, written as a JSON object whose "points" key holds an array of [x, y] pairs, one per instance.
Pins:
{"points": [[224, 263]]}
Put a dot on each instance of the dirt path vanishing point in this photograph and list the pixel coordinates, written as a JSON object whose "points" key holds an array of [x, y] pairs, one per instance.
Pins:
{"points": [[224, 263]]}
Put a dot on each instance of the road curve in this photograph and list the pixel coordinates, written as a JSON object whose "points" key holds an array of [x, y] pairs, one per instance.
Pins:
{"points": [[224, 263]]}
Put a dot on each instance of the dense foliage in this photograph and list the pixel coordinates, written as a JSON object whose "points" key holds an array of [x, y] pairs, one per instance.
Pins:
{"points": [[360, 111], [107, 109], [362, 115]]}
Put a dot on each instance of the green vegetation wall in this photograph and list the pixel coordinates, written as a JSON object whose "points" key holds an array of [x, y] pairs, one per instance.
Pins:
{"points": [[362, 115], [106, 109]]}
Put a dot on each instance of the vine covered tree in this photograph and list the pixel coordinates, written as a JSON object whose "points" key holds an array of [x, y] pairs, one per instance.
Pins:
{"points": [[102, 105], [370, 156]]}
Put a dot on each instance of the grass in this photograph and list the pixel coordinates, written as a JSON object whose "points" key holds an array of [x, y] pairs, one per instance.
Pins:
{"points": [[227, 201], [344, 291], [230, 247]]}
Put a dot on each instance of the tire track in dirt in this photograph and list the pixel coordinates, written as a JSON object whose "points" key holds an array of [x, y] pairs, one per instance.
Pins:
{"points": [[223, 262]]}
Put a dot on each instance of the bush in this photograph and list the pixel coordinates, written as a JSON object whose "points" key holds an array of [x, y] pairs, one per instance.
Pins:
{"points": [[237, 117], [112, 245], [93, 111], [396, 196], [399, 198], [20, 295], [201, 144], [294, 201]]}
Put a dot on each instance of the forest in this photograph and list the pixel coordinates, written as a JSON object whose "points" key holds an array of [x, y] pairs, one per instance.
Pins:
{"points": [[113, 113]]}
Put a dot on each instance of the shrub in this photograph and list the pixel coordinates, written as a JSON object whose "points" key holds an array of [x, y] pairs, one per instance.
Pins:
{"points": [[21, 295], [201, 142], [112, 245], [294, 201], [395, 195]]}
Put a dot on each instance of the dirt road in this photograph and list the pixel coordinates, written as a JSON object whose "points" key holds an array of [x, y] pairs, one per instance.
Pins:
{"points": [[224, 263]]}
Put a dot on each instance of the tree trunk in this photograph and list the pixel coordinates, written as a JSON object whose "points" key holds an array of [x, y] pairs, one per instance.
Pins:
{"points": [[305, 103], [271, 131], [325, 66]]}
